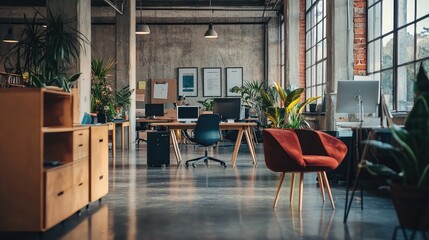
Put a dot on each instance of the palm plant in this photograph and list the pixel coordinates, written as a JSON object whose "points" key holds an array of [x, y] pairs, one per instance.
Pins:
{"points": [[46, 53], [102, 95], [251, 95], [283, 107]]}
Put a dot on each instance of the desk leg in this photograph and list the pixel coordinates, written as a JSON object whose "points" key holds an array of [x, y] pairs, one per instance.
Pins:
{"points": [[129, 137], [251, 146], [175, 146], [114, 141], [122, 137], [237, 147]]}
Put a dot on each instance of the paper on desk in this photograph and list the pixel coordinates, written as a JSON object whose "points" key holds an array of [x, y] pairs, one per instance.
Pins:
{"points": [[160, 90]]}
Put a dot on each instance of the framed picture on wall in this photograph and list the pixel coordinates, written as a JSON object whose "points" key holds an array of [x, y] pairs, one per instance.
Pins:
{"points": [[187, 82], [234, 77], [212, 82]]}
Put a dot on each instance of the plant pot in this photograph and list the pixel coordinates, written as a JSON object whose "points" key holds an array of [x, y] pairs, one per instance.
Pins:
{"points": [[411, 205]]}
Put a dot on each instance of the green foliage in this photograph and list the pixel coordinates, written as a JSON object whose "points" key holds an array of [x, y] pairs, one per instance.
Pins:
{"points": [[123, 97], [103, 97], [283, 107], [207, 104], [102, 94], [251, 95], [46, 53], [411, 152]]}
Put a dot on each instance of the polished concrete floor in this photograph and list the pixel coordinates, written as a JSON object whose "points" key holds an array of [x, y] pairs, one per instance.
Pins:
{"points": [[217, 203]]}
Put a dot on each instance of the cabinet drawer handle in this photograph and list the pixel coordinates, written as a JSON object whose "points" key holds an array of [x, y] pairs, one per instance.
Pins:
{"points": [[101, 177], [80, 134], [80, 145], [60, 193], [100, 140], [80, 184]]}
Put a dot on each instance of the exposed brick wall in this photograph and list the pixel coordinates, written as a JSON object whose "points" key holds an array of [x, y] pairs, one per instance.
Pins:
{"points": [[302, 43], [359, 47]]}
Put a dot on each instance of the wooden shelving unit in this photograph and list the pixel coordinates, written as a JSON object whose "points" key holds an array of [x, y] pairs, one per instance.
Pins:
{"points": [[45, 173]]}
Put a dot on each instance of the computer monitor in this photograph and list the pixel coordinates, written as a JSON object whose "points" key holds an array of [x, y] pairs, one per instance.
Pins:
{"points": [[187, 113], [349, 91], [154, 109], [227, 108]]}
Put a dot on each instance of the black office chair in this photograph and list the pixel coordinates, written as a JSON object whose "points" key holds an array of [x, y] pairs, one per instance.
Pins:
{"points": [[207, 133]]}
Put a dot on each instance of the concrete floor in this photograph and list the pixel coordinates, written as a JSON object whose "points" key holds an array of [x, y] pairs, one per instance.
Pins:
{"points": [[217, 203]]}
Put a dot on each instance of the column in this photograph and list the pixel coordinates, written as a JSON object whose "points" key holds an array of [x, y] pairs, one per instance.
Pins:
{"points": [[126, 57]]}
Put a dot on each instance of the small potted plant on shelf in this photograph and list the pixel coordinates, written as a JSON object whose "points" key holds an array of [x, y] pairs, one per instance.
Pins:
{"points": [[409, 186]]}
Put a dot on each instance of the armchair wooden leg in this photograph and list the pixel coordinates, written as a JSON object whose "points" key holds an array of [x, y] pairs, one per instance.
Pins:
{"points": [[328, 188], [292, 181], [301, 188], [282, 177], [322, 189]]}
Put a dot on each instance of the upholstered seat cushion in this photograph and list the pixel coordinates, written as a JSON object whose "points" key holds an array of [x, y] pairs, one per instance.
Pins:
{"points": [[315, 163]]}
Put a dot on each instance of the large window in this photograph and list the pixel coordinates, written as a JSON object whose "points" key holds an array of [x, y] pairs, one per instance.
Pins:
{"points": [[398, 40], [315, 49]]}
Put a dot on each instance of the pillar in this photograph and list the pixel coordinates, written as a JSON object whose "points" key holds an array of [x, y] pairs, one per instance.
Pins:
{"points": [[126, 57]]}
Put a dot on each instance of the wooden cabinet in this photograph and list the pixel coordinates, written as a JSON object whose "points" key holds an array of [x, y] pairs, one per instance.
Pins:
{"points": [[45, 174], [99, 163]]}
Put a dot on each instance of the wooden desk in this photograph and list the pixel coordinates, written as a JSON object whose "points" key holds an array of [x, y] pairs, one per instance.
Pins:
{"points": [[155, 120], [242, 127]]}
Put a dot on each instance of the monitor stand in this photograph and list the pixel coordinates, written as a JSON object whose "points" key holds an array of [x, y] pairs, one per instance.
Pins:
{"points": [[230, 121]]}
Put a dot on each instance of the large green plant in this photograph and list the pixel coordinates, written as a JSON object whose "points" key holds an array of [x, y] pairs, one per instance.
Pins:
{"points": [[411, 151], [102, 94], [283, 107], [46, 53], [251, 95]]}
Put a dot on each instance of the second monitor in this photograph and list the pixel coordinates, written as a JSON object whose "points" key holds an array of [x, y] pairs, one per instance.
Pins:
{"points": [[227, 108], [154, 109], [187, 113]]}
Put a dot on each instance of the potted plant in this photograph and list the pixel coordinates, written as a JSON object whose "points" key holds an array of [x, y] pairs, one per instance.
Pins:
{"points": [[410, 185], [251, 97], [123, 100], [44, 54], [207, 104], [102, 94], [283, 107]]}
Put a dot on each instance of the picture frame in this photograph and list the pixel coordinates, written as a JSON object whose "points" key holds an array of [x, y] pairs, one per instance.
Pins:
{"points": [[212, 82], [234, 77], [187, 81]]}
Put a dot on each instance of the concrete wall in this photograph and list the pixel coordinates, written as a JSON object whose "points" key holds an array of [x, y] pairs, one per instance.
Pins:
{"points": [[171, 46]]}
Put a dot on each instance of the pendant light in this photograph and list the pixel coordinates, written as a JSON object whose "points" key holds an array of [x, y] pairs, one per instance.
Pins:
{"points": [[10, 38], [142, 28], [211, 33]]}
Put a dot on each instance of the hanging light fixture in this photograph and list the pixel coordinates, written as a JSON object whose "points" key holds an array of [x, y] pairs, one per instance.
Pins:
{"points": [[142, 28], [211, 33], [10, 38]]}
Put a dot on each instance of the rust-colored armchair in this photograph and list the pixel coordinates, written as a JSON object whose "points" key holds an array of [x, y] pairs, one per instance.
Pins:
{"points": [[299, 151]]}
